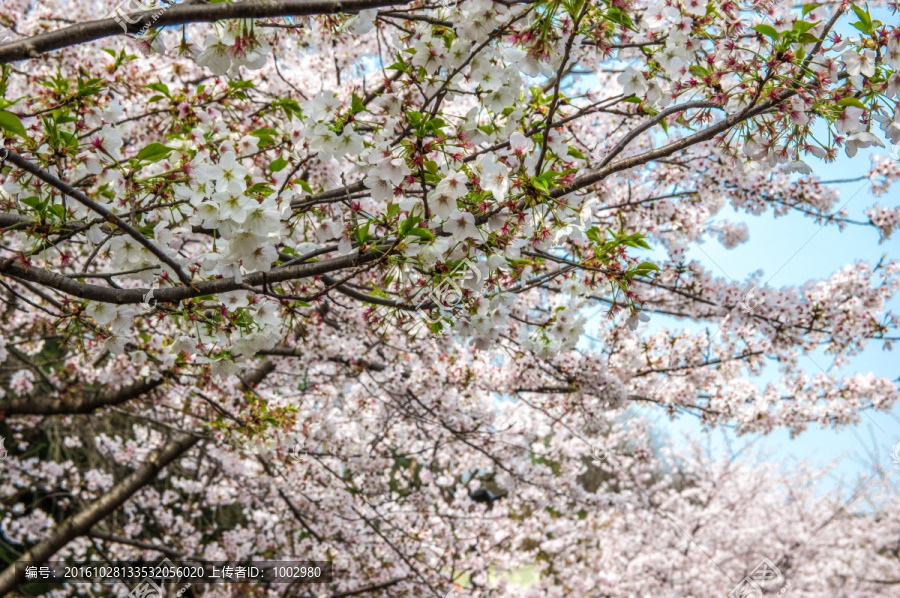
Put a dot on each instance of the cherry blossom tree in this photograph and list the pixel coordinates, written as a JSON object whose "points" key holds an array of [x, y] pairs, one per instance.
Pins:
{"points": [[314, 280]]}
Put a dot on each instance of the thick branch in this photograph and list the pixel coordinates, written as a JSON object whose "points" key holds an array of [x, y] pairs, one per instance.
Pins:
{"points": [[12, 267], [80, 523], [256, 376], [58, 405], [177, 15]]}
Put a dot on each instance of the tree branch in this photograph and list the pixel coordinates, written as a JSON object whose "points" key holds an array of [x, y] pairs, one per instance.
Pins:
{"points": [[36, 45], [59, 405], [80, 523], [12, 267], [86, 201]]}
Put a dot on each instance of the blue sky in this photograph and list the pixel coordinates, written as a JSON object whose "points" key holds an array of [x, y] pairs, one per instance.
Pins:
{"points": [[790, 251]]}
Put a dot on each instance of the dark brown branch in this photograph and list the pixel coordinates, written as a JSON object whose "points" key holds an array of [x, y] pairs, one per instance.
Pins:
{"points": [[293, 508], [343, 192], [256, 376], [80, 523], [667, 150], [12, 267], [36, 45], [58, 405]]}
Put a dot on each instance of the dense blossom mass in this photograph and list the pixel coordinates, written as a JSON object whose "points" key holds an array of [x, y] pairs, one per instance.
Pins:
{"points": [[368, 284]]}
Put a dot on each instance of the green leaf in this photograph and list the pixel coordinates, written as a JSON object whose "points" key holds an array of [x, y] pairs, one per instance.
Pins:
{"points": [[851, 101], [575, 153], [264, 131], [363, 233], [259, 188], [698, 71], [304, 185], [422, 232], [278, 165], [803, 26], [808, 38], [356, 104], [808, 8], [67, 138], [863, 15], [154, 152], [33, 202], [595, 235], [649, 266], [621, 18], [377, 292], [862, 27], [408, 224], [10, 122], [767, 30], [58, 211], [160, 87], [865, 20]]}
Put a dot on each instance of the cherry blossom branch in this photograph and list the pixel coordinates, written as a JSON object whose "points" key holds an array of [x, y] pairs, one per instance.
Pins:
{"points": [[60, 405], [36, 45], [567, 53], [291, 506], [86, 201], [366, 298], [12, 267], [80, 523], [623, 143], [285, 351], [667, 150], [142, 545]]}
